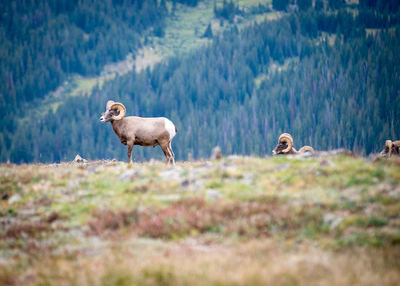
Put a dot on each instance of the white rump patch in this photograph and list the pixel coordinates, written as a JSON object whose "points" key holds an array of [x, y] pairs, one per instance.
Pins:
{"points": [[170, 128]]}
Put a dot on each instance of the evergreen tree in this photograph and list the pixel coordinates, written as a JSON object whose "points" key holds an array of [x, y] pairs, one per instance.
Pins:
{"points": [[208, 33], [304, 4], [280, 5]]}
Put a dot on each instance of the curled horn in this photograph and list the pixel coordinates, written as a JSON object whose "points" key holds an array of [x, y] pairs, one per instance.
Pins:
{"points": [[286, 137], [396, 147], [109, 104], [306, 148], [120, 107], [388, 147]]}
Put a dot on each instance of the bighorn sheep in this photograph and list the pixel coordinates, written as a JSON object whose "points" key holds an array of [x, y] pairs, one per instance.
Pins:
{"points": [[285, 146], [216, 153], [391, 148], [133, 130]]}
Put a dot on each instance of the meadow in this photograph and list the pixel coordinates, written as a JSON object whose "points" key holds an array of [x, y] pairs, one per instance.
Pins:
{"points": [[311, 220]]}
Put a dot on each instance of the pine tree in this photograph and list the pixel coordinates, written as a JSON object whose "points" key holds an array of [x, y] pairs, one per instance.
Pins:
{"points": [[208, 33]]}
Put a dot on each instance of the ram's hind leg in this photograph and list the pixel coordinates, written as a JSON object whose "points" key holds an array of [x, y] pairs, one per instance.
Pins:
{"points": [[172, 153], [165, 149]]}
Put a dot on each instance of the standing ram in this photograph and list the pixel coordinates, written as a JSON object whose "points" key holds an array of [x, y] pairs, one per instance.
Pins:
{"points": [[133, 130], [285, 146]]}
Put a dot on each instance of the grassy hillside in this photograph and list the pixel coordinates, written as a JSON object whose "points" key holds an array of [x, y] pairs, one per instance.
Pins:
{"points": [[331, 220], [183, 31]]}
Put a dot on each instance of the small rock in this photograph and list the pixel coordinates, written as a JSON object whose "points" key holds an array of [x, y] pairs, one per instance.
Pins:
{"points": [[332, 220], [93, 171], [129, 175], [247, 178], [304, 155], [228, 167], [52, 217], [373, 209], [167, 198], [82, 193], [45, 201], [192, 184], [198, 185], [74, 183], [186, 183], [5, 196], [174, 174], [283, 167], [326, 163], [394, 193], [213, 194], [329, 218], [14, 199]]}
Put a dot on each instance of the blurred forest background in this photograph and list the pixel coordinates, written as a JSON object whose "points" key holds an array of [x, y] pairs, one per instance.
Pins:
{"points": [[230, 73]]}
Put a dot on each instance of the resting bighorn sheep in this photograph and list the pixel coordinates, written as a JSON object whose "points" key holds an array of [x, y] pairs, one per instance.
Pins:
{"points": [[133, 130], [391, 148], [216, 153], [285, 146]]}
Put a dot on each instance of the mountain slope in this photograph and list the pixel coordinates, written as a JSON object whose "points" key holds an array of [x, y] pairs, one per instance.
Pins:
{"points": [[306, 73]]}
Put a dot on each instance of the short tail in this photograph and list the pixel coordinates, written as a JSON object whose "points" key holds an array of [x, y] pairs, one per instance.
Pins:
{"points": [[176, 130]]}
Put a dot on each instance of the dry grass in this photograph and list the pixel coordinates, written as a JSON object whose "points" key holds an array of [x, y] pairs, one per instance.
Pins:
{"points": [[247, 219], [261, 262]]}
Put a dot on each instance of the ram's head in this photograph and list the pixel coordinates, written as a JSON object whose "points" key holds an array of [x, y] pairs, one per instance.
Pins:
{"points": [[285, 145], [114, 111], [391, 148]]}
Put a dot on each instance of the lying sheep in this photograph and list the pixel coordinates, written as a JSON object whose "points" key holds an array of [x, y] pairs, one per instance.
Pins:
{"points": [[133, 130], [391, 148], [285, 146], [216, 153]]}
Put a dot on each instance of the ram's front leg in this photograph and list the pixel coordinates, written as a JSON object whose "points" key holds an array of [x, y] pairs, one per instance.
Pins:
{"points": [[130, 148]]}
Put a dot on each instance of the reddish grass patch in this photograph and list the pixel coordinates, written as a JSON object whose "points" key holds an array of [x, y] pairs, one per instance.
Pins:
{"points": [[26, 229], [107, 220], [248, 219]]}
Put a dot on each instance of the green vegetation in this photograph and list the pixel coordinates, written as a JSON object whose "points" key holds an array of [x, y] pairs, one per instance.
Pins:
{"points": [[258, 76], [44, 43], [222, 211]]}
